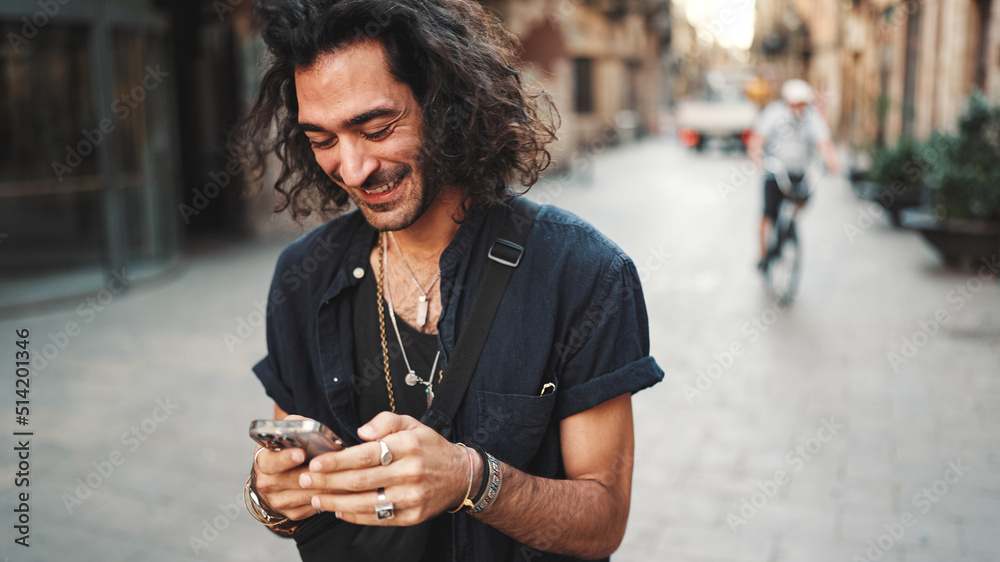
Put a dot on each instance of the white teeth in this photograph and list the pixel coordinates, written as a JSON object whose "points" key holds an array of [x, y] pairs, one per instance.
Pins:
{"points": [[382, 189]]}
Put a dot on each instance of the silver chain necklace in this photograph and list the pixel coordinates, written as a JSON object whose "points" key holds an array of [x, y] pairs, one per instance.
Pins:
{"points": [[422, 300], [411, 376]]}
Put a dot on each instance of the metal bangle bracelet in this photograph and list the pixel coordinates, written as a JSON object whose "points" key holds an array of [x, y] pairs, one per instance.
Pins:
{"points": [[259, 512], [466, 502], [264, 513]]}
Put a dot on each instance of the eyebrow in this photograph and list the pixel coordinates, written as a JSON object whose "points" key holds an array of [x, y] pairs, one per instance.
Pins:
{"points": [[360, 119], [368, 116]]}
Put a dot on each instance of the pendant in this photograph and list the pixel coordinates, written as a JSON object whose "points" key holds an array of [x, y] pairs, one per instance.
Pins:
{"points": [[430, 396], [421, 311], [411, 379]]}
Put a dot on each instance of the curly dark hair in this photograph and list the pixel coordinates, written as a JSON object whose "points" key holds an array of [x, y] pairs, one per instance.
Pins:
{"points": [[484, 129]]}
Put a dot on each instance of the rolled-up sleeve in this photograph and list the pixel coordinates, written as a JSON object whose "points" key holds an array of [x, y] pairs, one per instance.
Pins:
{"points": [[267, 372], [607, 353]]}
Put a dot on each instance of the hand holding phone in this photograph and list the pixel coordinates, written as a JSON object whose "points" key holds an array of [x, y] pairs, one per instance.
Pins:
{"points": [[309, 435]]}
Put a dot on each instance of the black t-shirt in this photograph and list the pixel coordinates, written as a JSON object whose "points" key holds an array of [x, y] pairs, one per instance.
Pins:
{"points": [[431, 540], [373, 395]]}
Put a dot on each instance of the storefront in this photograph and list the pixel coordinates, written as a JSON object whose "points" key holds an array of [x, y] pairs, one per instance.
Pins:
{"points": [[88, 145]]}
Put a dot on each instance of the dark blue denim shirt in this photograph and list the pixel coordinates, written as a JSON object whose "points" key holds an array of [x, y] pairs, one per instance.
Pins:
{"points": [[573, 315]]}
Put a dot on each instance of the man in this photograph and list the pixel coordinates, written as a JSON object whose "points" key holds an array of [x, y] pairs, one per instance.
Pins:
{"points": [[788, 130], [413, 111]]}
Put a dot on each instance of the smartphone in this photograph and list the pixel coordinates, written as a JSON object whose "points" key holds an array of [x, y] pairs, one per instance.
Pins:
{"points": [[309, 435]]}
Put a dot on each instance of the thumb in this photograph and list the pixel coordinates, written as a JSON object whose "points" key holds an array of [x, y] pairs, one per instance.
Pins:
{"points": [[386, 423], [276, 462]]}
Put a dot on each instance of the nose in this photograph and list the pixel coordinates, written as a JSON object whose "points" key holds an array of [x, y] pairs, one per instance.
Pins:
{"points": [[351, 162]]}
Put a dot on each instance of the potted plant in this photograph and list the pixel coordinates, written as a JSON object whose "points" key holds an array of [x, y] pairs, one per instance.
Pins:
{"points": [[859, 164], [896, 177], [963, 219]]}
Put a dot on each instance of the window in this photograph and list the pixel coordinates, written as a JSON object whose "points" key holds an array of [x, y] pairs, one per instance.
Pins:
{"points": [[583, 85], [86, 152]]}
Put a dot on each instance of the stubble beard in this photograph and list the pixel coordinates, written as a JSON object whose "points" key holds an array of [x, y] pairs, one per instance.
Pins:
{"points": [[398, 215]]}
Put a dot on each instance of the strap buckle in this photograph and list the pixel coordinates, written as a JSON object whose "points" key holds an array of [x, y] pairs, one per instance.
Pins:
{"points": [[509, 253]]}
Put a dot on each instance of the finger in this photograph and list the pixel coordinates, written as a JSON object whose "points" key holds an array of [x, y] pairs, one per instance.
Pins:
{"points": [[365, 455], [291, 502], [386, 423], [276, 462], [347, 481], [273, 483], [301, 513], [299, 505], [360, 508]]}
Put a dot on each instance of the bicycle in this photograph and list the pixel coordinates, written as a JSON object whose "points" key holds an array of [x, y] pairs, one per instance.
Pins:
{"points": [[783, 262]]}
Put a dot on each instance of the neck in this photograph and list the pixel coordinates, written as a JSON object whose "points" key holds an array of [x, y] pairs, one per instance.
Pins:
{"points": [[428, 237]]}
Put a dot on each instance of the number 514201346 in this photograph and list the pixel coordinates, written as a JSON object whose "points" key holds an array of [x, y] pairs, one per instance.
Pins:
{"points": [[22, 382]]}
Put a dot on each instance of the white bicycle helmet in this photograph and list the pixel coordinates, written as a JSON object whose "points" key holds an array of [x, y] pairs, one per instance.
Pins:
{"points": [[796, 91]]}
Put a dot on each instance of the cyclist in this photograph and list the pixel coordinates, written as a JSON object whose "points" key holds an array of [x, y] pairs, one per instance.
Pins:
{"points": [[788, 130]]}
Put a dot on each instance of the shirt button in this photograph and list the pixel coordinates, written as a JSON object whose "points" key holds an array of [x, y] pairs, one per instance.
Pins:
{"points": [[359, 272], [336, 379]]}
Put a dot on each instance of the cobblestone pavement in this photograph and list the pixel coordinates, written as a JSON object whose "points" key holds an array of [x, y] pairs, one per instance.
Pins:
{"points": [[863, 423]]}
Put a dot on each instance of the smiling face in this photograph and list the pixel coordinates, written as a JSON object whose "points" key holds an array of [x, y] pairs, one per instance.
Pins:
{"points": [[366, 131]]}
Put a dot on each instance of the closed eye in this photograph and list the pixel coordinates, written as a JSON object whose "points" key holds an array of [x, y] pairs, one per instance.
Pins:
{"points": [[322, 143], [378, 135]]}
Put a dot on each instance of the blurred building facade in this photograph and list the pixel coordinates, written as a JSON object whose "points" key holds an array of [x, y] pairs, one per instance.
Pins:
{"points": [[706, 59], [692, 58], [602, 61], [883, 68], [87, 146], [115, 115]]}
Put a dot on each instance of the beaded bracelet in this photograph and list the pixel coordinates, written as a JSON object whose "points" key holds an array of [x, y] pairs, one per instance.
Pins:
{"points": [[492, 489]]}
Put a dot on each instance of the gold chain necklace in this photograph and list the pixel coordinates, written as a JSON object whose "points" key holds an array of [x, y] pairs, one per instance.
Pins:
{"points": [[381, 323], [385, 341]]}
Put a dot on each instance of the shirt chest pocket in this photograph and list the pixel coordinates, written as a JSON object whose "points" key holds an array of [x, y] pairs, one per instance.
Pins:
{"points": [[511, 426]]}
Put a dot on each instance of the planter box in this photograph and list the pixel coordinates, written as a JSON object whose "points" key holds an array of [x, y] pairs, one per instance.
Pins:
{"points": [[858, 177], [892, 201], [958, 241]]}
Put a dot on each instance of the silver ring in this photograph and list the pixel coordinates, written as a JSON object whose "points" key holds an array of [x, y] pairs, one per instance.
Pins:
{"points": [[383, 510], [386, 456], [255, 455]]}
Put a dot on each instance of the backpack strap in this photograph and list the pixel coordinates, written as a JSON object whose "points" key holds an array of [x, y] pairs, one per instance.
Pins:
{"points": [[504, 256]]}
